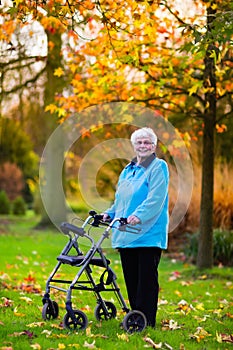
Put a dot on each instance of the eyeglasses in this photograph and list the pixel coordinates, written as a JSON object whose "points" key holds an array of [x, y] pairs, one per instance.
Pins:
{"points": [[145, 143]]}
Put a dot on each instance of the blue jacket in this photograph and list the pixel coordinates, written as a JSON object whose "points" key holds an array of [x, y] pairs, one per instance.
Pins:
{"points": [[142, 191]]}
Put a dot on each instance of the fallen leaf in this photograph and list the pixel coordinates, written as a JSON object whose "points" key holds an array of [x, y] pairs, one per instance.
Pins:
{"points": [[228, 338], [152, 343], [36, 346], [123, 336], [47, 332], [200, 334], [19, 334], [18, 314], [89, 346], [168, 346], [200, 307], [28, 300], [169, 325], [35, 324], [174, 276], [6, 302]]}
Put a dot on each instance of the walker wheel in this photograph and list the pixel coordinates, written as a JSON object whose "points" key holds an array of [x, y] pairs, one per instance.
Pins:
{"points": [[80, 322], [134, 321], [50, 310], [105, 313]]}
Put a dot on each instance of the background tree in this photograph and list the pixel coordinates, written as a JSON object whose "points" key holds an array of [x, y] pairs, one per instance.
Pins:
{"points": [[187, 74], [34, 85], [157, 55]]}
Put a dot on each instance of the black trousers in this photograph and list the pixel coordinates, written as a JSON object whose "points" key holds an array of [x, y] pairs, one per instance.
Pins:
{"points": [[140, 269]]}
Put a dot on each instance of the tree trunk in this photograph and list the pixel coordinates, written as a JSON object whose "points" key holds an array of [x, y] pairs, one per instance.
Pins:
{"points": [[53, 193], [205, 248]]}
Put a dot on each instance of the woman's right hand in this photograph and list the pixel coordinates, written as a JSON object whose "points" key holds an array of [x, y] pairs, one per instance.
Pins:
{"points": [[106, 217]]}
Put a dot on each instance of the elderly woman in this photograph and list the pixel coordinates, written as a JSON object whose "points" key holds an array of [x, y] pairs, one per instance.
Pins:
{"points": [[142, 197]]}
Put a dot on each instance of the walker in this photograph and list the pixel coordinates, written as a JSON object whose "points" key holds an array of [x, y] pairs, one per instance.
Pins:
{"points": [[75, 319]]}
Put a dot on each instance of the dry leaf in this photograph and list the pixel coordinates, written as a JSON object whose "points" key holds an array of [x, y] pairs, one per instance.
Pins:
{"points": [[200, 334], [123, 336], [169, 325], [89, 346], [36, 346], [152, 343]]}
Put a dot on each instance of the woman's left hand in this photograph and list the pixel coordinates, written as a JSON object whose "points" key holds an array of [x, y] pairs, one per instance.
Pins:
{"points": [[133, 220]]}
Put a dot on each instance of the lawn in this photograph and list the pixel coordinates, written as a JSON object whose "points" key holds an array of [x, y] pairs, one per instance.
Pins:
{"points": [[195, 307]]}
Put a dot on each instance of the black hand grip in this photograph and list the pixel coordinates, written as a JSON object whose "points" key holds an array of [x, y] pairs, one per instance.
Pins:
{"points": [[97, 220], [123, 221], [67, 227], [92, 213]]}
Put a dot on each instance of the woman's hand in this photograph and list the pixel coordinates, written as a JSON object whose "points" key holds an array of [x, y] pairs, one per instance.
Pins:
{"points": [[106, 217], [133, 220]]}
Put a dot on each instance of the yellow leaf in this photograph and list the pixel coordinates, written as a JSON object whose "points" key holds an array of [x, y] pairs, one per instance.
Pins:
{"points": [[123, 336], [58, 72], [28, 300], [61, 346], [218, 337], [200, 307], [36, 346], [76, 346], [18, 314], [51, 108], [61, 112], [35, 324], [177, 292]]}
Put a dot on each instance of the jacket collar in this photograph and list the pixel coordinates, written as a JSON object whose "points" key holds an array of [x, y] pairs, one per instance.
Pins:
{"points": [[146, 162]]}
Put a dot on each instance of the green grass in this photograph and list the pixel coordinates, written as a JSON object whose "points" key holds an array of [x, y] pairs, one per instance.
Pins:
{"points": [[188, 299]]}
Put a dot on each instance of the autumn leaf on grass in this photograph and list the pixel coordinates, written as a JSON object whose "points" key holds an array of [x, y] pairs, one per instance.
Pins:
{"points": [[202, 319], [36, 324], [169, 325], [47, 332], [174, 275], [76, 346], [152, 343], [57, 326], [200, 334], [162, 302], [18, 314], [228, 338], [89, 346], [6, 302], [123, 336], [28, 300], [18, 334], [36, 346], [184, 307], [186, 283]]}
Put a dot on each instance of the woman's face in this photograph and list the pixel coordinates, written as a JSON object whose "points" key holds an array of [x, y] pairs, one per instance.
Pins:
{"points": [[143, 147]]}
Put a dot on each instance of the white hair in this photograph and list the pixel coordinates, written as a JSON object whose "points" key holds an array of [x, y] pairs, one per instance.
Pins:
{"points": [[144, 132]]}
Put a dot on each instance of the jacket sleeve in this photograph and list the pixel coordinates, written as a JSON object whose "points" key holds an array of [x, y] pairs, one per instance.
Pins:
{"points": [[151, 208], [112, 210]]}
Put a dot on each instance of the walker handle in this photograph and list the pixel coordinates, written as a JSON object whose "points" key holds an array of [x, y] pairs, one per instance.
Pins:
{"points": [[124, 226], [67, 227]]}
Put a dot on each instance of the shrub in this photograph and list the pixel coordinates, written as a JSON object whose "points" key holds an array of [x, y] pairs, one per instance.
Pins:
{"points": [[4, 203], [222, 247], [19, 206], [11, 180]]}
